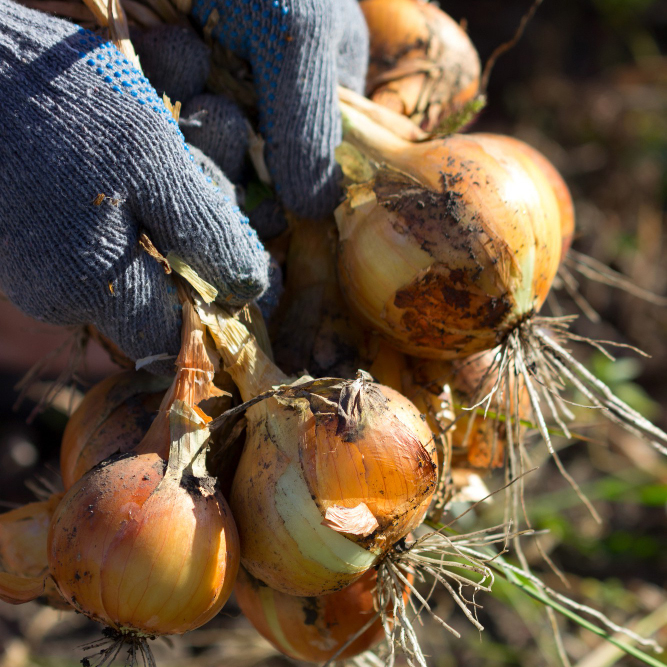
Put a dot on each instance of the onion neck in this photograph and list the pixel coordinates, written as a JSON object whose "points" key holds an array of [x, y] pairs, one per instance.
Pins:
{"points": [[250, 367], [375, 141], [192, 384]]}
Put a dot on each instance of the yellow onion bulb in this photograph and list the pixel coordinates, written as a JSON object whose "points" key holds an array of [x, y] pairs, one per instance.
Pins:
{"points": [[317, 505], [452, 242], [140, 552], [24, 567], [146, 545], [113, 417], [422, 63], [333, 472], [313, 629]]}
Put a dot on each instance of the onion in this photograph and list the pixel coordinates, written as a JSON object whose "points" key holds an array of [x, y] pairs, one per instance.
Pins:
{"points": [[24, 567], [313, 629], [333, 472], [422, 63], [113, 417], [145, 546], [452, 243]]}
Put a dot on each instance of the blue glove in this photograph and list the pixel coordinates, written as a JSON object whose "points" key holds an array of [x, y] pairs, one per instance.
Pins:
{"points": [[79, 121], [299, 50]]}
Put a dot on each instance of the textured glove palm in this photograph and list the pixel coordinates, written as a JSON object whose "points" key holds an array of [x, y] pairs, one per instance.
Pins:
{"points": [[80, 121]]}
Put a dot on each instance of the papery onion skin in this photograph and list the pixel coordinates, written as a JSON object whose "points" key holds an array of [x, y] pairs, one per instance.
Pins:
{"points": [[312, 629], [450, 247], [23, 537], [112, 418], [295, 466], [562, 192], [142, 557], [422, 63]]}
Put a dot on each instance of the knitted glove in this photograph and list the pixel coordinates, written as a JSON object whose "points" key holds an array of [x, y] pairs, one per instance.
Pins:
{"points": [[78, 121], [298, 50], [217, 126], [174, 59]]}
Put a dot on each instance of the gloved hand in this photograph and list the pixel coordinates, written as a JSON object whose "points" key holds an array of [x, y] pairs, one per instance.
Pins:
{"points": [[299, 51], [79, 121]]}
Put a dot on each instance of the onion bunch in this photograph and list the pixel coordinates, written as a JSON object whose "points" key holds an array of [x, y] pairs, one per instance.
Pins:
{"points": [[449, 247]]}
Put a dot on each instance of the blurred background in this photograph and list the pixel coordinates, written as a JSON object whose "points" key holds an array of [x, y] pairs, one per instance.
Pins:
{"points": [[586, 85]]}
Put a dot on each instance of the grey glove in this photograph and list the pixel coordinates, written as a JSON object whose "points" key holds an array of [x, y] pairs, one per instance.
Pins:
{"points": [[174, 59], [299, 51], [78, 121], [217, 126]]}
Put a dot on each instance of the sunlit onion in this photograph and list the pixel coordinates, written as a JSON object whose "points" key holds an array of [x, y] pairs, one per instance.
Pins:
{"points": [[450, 244], [313, 629], [145, 546]]}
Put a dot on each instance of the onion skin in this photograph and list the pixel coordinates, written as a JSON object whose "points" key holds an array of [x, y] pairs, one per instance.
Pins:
{"points": [[312, 629], [112, 418], [422, 63], [432, 398], [24, 565], [451, 245], [562, 192], [140, 553]]}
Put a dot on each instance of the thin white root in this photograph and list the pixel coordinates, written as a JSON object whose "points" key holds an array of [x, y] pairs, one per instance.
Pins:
{"points": [[439, 558]]}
